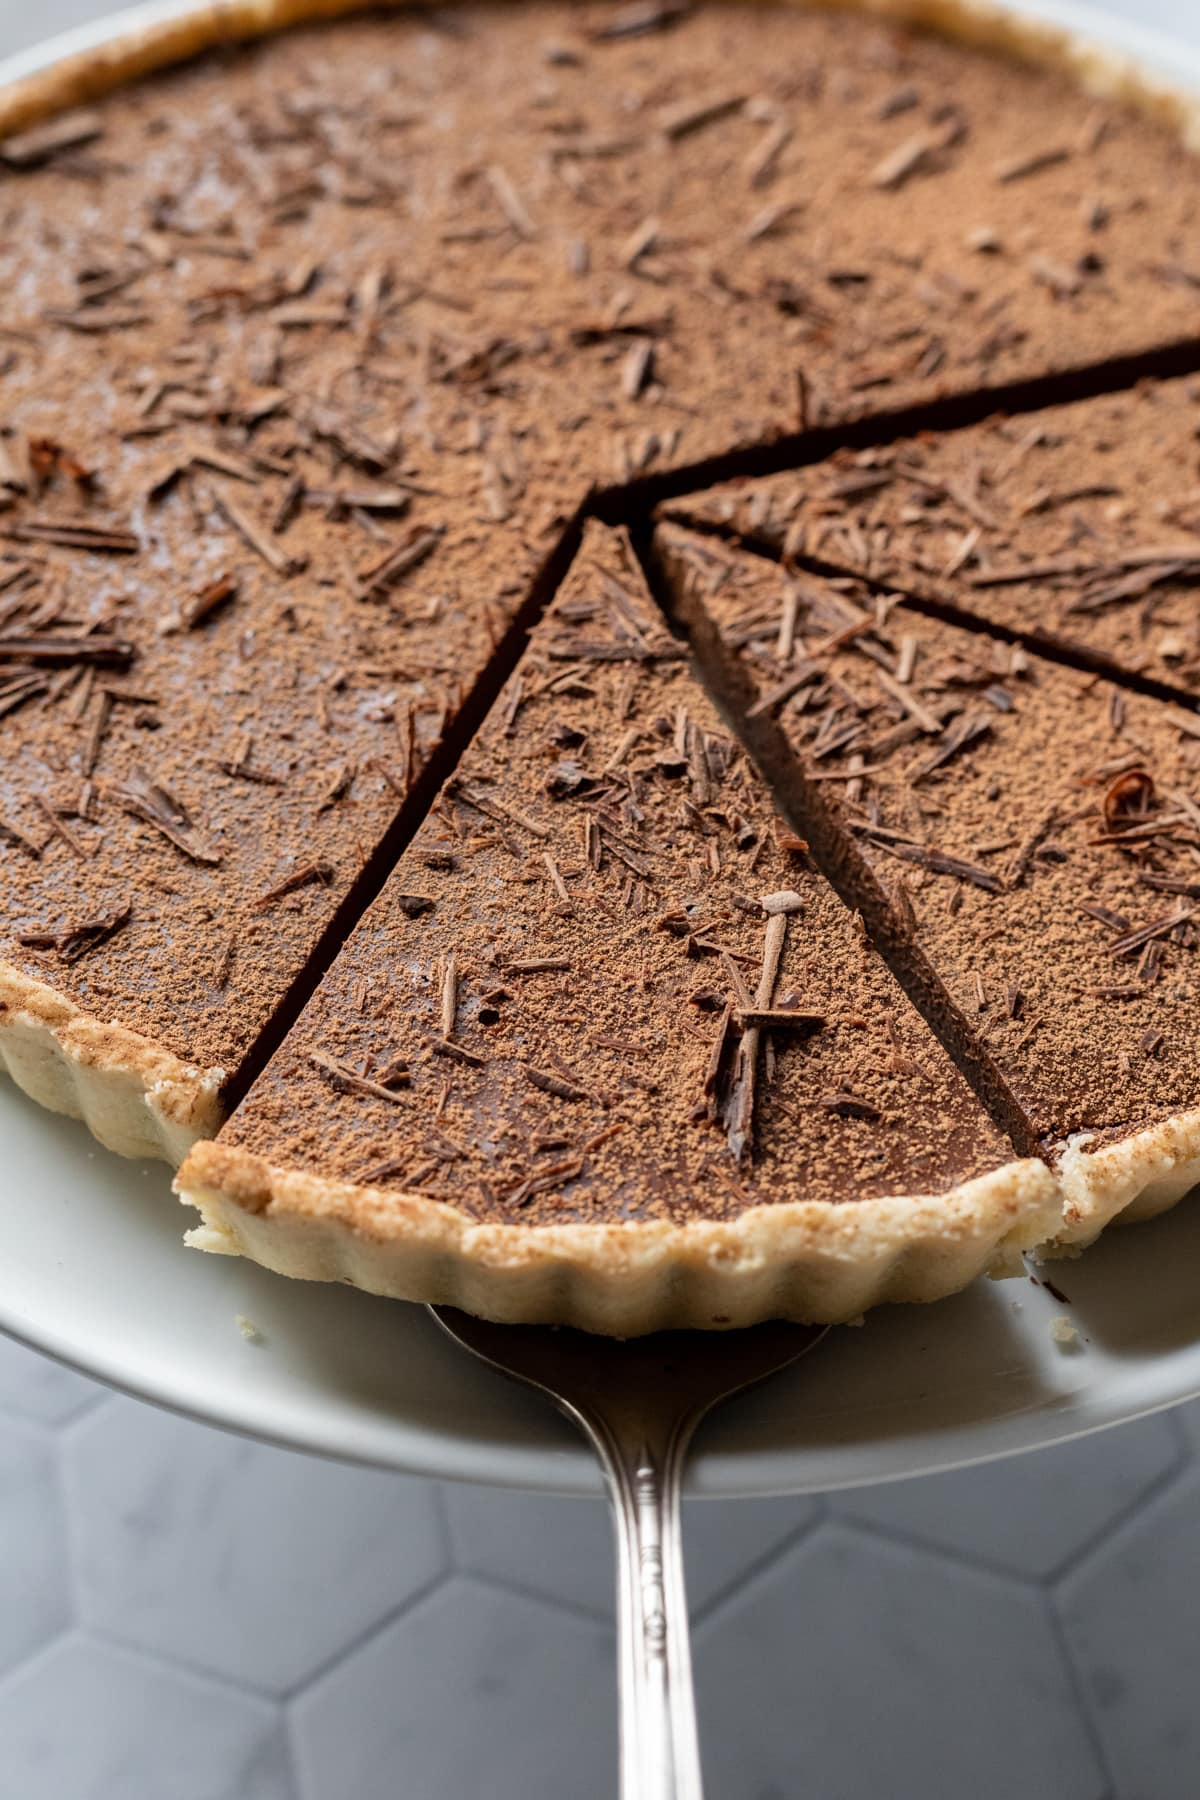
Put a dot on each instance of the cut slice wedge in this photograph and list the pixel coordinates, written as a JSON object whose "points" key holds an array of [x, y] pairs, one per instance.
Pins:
{"points": [[1076, 527], [1035, 830], [607, 1050]]}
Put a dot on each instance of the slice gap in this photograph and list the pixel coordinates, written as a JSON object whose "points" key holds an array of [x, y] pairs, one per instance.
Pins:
{"points": [[1075, 531], [607, 1050], [944, 415], [413, 809], [1031, 829]]}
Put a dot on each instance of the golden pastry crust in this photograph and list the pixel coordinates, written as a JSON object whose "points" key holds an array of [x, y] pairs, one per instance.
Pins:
{"points": [[1134, 1179], [136, 1097], [88, 75], [815, 1262]]}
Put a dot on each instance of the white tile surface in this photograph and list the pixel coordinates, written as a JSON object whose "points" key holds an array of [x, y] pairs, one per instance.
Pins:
{"points": [[851, 1661], [89, 1722], [225, 1555], [475, 1693], [1040, 1513], [34, 1578], [1132, 1621], [907, 1646], [916, 1640]]}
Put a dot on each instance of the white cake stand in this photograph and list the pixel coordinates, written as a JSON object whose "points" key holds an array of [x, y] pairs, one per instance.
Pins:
{"points": [[93, 1272]]}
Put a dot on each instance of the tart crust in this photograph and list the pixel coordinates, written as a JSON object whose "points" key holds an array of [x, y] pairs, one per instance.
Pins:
{"points": [[811, 1261], [1135, 1179], [136, 1097], [145, 49]]}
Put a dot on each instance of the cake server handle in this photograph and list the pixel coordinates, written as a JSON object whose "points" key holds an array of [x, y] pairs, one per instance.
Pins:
{"points": [[643, 1467], [638, 1403]]}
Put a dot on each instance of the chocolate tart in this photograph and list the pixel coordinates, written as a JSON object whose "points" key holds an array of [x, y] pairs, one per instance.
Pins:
{"points": [[320, 346], [1028, 828], [608, 1048], [1075, 528]]}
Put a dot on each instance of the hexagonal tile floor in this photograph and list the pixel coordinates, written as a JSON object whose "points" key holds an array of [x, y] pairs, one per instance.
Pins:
{"points": [[186, 1616]]}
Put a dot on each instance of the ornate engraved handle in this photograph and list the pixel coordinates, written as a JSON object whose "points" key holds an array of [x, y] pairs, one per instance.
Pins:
{"points": [[660, 1754], [638, 1404]]}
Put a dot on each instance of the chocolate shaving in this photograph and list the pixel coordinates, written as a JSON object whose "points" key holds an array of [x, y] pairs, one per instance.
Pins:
{"points": [[69, 131], [1023, 861], [1104, 915], [1157, 928], [75, 940], [493, 809], [98, 647], [157, 806], [778, 1018], [198, 607], [444, 1046], [449, 996], [965, 731], [554, 1175], [61, 829], [637, 18], [939, 863], [256, 537], [738, 1110], [345, 1080], [317, 871], [9, 834], [1031, 162], [686, 116], [399, 562], [1129, 800], [1171, 884], [553, 1084], [413, 905], [849, 1106], [76, 534]]}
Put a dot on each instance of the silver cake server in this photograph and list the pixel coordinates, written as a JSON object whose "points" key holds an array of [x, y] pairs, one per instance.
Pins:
{"points": [[638, 1403]]}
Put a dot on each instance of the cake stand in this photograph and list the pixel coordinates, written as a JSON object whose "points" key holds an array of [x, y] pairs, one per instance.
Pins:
{"points": [[94, 1273]]}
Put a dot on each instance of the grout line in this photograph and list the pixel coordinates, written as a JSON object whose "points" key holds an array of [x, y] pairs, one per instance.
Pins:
{"points": [[1156, 1491], [1046, 645], [836, 855], [1085, 1708], [703, 1614], [602, 1616], [952, 1556], [287, 1697]]}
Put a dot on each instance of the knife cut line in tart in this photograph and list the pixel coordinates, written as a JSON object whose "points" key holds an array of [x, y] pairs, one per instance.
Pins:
{"points": [[607, 1050], [1074, 529], [1034, 829]]}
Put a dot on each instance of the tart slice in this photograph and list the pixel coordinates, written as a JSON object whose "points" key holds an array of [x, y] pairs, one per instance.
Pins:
{"points": [[221, 683], [1076, 527], [1032, 830], [607, 1050]]}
